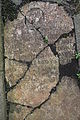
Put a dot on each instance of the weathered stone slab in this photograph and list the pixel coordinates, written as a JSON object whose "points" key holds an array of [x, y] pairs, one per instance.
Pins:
{"points": [[66, 49], [51, 18], [42, 76], [64, 104], [23, 42], [14, 71]]}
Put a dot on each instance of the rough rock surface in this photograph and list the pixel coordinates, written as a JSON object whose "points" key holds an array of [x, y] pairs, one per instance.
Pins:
{"points": [[42, 76], [13, 71], [17, 112], [66, 49], [23, 41], [34, 67], [64, 104]]}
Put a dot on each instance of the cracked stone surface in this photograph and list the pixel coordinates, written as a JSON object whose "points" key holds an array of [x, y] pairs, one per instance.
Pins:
{"points": [[66, 49], [23, 42], [51, 20], [18, 112], [14, 70], [33, 69], [64, 104], [42, 76]]}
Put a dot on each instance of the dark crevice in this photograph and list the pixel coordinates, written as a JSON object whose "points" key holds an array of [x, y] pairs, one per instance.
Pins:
{"points": [[8, 109], [65, 35], [20, 61], [53, 49], [69, 69], [20, 104], [40, 52], [7, 86], [18, 81], [53, 90], [22, 77]]}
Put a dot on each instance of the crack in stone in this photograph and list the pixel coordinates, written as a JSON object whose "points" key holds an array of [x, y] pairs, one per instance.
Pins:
{"points": [[8, 109], [53, 49], [63, 71], [20, 61], [65, 35], [53, 90], [26, 20], [69, 69], [29, 65], [19, 104], [18, 81]]}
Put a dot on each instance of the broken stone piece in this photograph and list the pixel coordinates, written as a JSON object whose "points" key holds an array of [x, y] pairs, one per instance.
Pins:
{"points": [[66, 49], [14, 70]]}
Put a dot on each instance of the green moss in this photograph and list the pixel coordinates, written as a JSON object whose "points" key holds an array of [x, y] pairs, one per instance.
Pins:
{"points": [[78, 75], [45, 39], [78, 55]]}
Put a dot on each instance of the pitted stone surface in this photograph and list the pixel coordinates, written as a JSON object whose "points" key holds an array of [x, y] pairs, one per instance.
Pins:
{"points": [[63, 105], [14, 70], [51, 19], [66, 49], [42, 76], [17, 112], [23, 41]]}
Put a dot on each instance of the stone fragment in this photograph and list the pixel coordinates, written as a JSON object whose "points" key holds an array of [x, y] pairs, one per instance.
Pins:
{"points": [[42, 76], [66, 49], [14, 71], [64, 104], [17, 112]]}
